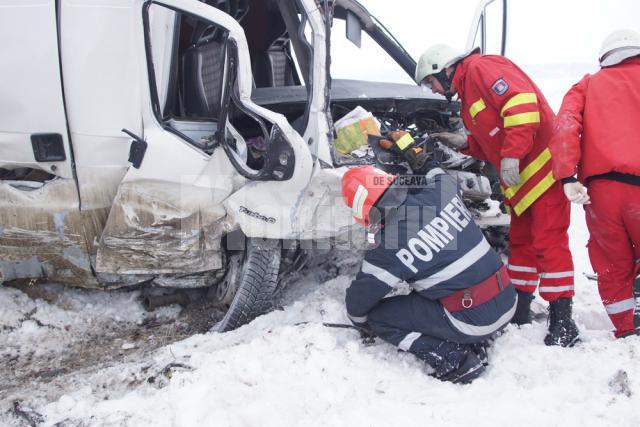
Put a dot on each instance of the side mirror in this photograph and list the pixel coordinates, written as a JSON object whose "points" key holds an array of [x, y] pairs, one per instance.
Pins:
{"points": [[489, 27], [495, 28], [354, 29]]}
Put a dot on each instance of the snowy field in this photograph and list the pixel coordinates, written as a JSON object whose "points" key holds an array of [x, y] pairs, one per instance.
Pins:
{"points": [[287, 369]]}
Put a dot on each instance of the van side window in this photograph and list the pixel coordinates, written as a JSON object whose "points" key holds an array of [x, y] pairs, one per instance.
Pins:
{"points": [[193, 74], [188, 57]]}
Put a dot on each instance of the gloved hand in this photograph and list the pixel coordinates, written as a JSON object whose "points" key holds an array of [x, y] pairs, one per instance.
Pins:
{"points": [[576, 193], [510, 171], [403, 143], [455, 141]]}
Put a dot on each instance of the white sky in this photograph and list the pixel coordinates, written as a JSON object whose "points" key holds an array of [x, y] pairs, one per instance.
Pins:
{"points": [[539, 31]]}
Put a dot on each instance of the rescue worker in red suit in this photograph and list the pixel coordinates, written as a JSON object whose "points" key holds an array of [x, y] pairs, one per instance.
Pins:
{"points": [[510, 124], [597, 136]]}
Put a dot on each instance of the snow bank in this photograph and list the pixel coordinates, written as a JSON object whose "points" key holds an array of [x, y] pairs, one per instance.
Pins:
{"points": [[59, 318], [279, 371]]}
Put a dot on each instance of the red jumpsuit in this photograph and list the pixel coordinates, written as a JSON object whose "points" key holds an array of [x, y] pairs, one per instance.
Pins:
{"points": [[597, 135], [508, 116]]}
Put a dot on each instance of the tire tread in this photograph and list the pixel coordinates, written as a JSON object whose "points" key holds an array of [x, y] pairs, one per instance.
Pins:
{"points": [[258, 283]]}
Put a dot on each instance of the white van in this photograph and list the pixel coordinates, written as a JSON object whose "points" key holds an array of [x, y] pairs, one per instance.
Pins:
{"points": [[142, 140]]}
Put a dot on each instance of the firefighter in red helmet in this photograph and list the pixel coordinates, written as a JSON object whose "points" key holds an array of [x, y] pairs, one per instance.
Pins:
{"points": [[430, 284]]}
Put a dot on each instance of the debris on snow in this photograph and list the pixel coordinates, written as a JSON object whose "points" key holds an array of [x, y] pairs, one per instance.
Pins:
{"points": [[27, 414], [619, 383]]}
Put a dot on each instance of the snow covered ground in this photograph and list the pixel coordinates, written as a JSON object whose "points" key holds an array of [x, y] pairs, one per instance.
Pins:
{"points": [[287, 369]]}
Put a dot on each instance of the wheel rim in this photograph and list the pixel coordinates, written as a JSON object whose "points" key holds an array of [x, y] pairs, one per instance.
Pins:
{"points": [[226, 289]]}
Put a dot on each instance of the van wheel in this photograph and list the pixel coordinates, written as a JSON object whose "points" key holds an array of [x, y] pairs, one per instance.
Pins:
{"points": [[250, 283]]}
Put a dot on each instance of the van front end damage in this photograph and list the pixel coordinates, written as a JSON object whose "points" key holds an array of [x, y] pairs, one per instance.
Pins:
{"points": [[242, 120], [147, 233], [43, 235]]}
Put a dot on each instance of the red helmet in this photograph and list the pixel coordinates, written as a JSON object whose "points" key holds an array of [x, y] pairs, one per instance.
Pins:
{"points": [[362, 187]]}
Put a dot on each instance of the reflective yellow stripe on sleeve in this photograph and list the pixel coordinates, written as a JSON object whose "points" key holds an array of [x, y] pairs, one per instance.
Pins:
{"points": [[519, 99], [404, 141], [476, 107], [535, 192], [528, 172], [357, 209], [521, 119]]}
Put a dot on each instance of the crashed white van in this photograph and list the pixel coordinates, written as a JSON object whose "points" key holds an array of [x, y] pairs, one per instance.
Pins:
{"points": [[142, 140]]}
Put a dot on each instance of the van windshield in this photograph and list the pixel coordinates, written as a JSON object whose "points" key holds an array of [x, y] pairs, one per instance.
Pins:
{"points": [[369, 62]]}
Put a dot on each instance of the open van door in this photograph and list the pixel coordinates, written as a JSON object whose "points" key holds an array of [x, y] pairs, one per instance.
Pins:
{"points": [[41, 231], [203, 140], [489, 27]]}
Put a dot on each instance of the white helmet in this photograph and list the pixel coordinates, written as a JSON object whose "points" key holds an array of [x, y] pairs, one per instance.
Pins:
{"points": [[618, 46], [437, 58]]}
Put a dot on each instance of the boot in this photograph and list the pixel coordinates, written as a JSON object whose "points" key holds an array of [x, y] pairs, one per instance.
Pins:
{"points": [[480, 349], [523, 314], [457, 363], [562, 329], [470, 368]]}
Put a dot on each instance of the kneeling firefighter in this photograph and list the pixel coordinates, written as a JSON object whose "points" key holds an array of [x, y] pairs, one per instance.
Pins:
{"points": [[430, 284]]}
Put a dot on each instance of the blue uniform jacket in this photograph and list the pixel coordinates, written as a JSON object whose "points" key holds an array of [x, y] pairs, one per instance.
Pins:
{"points": [[430, 243]]}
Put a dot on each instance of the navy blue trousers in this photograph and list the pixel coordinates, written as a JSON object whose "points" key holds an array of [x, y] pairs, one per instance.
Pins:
{"points": [[423, 327]]}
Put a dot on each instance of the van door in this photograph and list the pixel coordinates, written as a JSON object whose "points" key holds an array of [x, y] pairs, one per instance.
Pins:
{"points": [[203, 140], [32, 117], [489, 27], [41, 231]]}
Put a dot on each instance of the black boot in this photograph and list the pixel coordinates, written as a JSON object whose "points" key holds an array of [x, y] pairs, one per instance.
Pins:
{"points": [[480, 349], [523, 314], [562, 329], [470, 368], [457, 363]]}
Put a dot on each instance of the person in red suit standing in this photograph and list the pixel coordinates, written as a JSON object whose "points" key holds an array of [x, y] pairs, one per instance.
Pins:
{"points": [[509, 124], [597, 136]]}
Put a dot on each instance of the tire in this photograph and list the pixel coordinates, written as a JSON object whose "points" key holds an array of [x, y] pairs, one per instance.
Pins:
{"points": [[253, 285]]}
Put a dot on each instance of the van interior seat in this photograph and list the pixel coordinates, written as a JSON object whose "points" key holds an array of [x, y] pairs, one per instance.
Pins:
{"points": [[203, 74], [274, 68]]}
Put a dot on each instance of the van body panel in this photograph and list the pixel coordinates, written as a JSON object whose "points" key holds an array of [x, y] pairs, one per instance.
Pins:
{"points": [[87, 69]]}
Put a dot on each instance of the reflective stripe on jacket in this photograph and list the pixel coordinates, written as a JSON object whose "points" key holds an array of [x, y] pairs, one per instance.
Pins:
{"points": [[507, 116], [429, 244], [598, 127]]}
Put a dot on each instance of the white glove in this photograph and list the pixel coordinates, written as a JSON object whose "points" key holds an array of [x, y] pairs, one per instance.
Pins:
{"points": [[456, 141], [510, 171], [576, 193]]}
